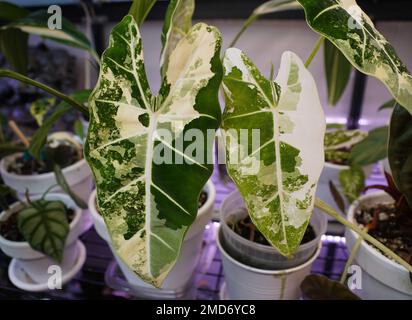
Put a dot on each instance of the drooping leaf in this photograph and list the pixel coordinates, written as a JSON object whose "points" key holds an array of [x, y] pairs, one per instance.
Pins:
{"points": [[177, 24], [39, 138], [352, 181], [387, 105], [338, 70], [276, 176], [319, 287], [345, 24], [45, 227], [37, 23], [400, 151], [14, 46], [337, 197], [61, 180], [140, 9], [275, 6], [10, 11], [372, 149], [338, 139], [40, 107], [147, 205]]}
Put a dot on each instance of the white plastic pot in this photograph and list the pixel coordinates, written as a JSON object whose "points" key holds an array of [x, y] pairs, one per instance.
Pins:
{"points": [[382, 278], [35, 263], [183, 270], [247, 283], [331, 172]]}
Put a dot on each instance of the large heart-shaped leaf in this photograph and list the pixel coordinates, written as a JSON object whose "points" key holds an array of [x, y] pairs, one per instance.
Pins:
{"points": [[178, 21], [45, 227], [148, 206], [400, 150], [277, 177], [345, 24]]}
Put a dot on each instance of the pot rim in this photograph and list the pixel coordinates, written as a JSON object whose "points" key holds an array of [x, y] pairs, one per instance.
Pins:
{"points": [[264, 271], [302, 247], [364, 244], [32, 177], [25, 244]]}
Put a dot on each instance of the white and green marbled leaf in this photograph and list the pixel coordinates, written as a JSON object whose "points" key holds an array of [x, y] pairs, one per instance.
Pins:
{"points": [[178, 21], [287, 163], [349, 28], [147, 206]]}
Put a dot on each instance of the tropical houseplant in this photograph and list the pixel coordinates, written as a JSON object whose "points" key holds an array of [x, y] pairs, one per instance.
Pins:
{"points": [[147, 215]]}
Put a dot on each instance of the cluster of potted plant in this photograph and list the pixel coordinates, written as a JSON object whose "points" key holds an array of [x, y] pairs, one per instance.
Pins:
{"points": [[270, 235]]}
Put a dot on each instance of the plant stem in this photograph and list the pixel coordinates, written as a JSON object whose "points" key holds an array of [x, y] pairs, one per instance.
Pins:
{"points": [[353, 252], [246, 25], [17, 76], [315, 50], [364, 235]]}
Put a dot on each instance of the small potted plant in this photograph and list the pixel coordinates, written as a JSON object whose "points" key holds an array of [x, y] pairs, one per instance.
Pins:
{"points": [[40, 233]]}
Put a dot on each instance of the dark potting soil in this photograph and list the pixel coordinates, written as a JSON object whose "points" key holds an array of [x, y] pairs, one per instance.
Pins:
{"points": [[10, 231], [384, 223], [63, 155], [246, 229]]}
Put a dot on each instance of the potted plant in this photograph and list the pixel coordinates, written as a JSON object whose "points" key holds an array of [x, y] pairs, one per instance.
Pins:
{"points": [[39, 234]]}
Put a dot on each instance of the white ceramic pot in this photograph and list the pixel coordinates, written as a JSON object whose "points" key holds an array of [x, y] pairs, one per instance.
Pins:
{"points": [[382, 278], [35, 263], [331, 172], [247, 283], [183, 270]]}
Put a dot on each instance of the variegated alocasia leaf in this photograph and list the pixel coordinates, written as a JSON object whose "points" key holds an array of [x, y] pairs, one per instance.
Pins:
{"points": [[345, 24], [177, 24], [148, 206], [277, 178], [338, 144]]}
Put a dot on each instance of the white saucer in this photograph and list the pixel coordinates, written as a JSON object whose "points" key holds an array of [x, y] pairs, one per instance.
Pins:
{"points": [[223, 292], [21, 280]]}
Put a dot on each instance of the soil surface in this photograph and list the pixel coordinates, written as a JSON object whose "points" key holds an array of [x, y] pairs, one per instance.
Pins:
{"points": [[63, 155], [248, 230], [386, 225], [10, 231]]}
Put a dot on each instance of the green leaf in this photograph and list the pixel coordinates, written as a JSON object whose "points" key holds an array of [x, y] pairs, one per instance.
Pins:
{"points": [[44, 226], [61, 180], [78, 129], [353, 33], [147, 205], [400, 151], [40, 107], [13, 45], [39, 138], [37, 23], [372, 149], [330, 126], [276, 6], [338, 70], [319, 287], [177, 24], [291, 125], [140, 9], [10, 11], [352, 181], [388, 105], [338, 139]]}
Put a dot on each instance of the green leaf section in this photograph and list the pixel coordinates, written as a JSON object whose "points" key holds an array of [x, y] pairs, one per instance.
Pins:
{"points": [[146, 202], [276, 176], [352, 181], [45, 227], [338, 70], [345, 24], [14, 46], [319, 287], [400, 151], [372, 149], [10, 11], [61, 180], [140, 9]]}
